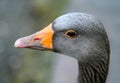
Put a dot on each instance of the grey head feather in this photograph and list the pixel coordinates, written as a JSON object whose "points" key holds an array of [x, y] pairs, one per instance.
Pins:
{"points": [[91, 40]]}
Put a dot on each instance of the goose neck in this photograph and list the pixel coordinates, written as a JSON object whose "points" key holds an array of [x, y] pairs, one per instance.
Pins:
{"points": [[93, 72]]}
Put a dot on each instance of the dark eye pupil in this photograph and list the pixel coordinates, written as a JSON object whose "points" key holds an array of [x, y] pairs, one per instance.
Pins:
{"points": [[72, 34]]}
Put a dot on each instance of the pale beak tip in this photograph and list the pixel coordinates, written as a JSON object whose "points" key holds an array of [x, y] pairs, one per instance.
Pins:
{"points": [[18, 44]]}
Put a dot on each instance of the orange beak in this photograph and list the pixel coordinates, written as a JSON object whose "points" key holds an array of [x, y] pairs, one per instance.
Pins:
{"points": [[39, 40]]}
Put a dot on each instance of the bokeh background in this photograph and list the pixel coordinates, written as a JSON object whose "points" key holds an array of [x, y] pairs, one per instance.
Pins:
{"points": [[19, 18]]}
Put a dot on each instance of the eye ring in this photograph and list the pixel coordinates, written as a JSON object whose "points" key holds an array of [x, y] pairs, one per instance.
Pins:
{"points": [[71, 33]]}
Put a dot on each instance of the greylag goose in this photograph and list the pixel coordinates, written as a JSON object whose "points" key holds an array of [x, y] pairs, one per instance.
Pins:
{"points": [[78, 35]]}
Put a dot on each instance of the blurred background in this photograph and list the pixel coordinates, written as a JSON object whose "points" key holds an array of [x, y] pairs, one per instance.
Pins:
{"points": [[19, 18]]}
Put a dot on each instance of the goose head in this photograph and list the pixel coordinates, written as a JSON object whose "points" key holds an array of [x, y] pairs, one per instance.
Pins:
{"points": [[77, 35]]}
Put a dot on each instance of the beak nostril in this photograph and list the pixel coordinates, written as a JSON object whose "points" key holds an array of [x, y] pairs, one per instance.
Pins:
{"points": [[36, 39]]}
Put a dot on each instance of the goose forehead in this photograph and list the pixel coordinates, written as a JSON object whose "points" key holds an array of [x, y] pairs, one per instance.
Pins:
{"points": [[73, 20], [64, 25]]}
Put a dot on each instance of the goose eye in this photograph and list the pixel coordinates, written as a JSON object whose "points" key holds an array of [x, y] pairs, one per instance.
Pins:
{"points": [[71, 33]]}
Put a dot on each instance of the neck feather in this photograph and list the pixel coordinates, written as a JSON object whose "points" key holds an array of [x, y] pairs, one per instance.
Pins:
{"points": [[93, 72]]}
